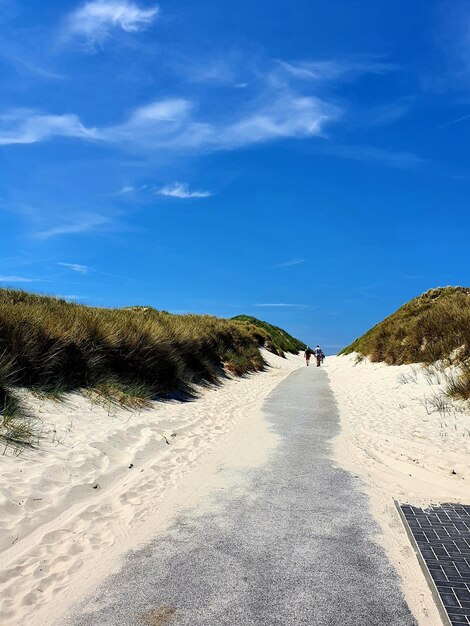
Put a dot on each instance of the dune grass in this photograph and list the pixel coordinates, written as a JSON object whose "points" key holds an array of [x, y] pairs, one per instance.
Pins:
{"points": [[130, 355], [18, 429], [433, 327], [279, 340]]}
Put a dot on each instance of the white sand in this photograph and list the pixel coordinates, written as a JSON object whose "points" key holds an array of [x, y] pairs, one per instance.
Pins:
{"points": [[58, 535], [403, 449], [57, 531]]}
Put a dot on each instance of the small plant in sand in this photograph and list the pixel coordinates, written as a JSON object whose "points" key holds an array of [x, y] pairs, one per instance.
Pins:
{"points": [[434, 374], [437, 403], [405, 378]]}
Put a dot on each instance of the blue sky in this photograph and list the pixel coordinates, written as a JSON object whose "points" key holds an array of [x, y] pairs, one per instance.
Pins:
{"points": [[303, 162]]}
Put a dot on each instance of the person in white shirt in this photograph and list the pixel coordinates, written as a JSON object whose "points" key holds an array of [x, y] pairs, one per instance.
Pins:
{"points": [[318, 352]]}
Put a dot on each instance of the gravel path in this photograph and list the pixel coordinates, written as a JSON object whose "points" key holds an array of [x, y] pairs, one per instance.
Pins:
{"points": [[291, 544]]}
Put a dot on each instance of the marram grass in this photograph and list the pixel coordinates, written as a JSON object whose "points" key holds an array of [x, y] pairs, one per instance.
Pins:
{"points": [[433, 327], [130, 355]]}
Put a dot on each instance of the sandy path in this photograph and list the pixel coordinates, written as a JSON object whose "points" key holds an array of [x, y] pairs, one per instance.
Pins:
{"points": [[281, 538], [403, 449], [98, 482]]}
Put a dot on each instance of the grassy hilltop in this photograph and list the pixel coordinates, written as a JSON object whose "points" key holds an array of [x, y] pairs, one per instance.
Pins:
{"points": [[278, 340], [132, 354], [434, 326]]}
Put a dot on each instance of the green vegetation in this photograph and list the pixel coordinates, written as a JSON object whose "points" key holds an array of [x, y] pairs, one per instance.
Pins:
{"points": [[435, 326], [129, 355], [17, 428], [276, 339]]}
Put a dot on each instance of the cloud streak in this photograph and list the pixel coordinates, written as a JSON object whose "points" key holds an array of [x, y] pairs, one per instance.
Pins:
{"points": [[124, 190], [283, 305], [25, 126], [336, 69], [452, 122], [94, 21], [170, 124], [398, 159], [19, 279], [83, 223], [291, 263], [180, 190], [76, 267]]}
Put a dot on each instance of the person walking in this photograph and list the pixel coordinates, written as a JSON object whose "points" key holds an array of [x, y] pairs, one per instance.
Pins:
{"points": [[318, 355], [308, 353]]}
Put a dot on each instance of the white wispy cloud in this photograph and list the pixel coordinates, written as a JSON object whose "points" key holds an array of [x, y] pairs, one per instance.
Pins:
{"points": [[76, 267], [181, 190], [155, 124], [176, 124], [171, 124], [125, 190], [233, 67], [283, 305], [454, 121], [24, 126], [94, 21], [83, 223], [218, 70], [399, 159], [383, 114], [288, 115], [24, 65], [291, 263], [280, 107], [167, 124], [336, 69], [19, 279]]}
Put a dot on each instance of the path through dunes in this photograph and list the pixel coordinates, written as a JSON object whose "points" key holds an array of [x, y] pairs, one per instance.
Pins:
{"points": [[283, 539], [59, 534]]}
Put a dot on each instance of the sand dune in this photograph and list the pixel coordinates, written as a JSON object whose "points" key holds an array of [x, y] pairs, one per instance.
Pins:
{"points": [[99, 474], [404, 449], [396, 435]]}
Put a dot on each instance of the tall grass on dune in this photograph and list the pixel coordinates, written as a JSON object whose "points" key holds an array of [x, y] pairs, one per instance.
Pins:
{"points": [[17, 428], [433, 327], [279, 340], [133, 354]]}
